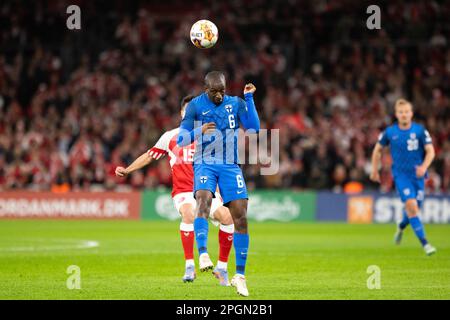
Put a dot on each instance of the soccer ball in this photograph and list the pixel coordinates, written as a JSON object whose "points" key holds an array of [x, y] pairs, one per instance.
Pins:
{"points": [[204, 34]]}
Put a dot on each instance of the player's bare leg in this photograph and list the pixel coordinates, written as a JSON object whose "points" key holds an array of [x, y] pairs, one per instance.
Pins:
{"points": [[412, 209], [187, 239], [204, 199], [238, 210], [226, 231]]}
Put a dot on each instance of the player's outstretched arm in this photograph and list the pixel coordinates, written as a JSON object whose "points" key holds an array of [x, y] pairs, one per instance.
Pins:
{"points": [[376, 156], [250, 119], [137, 164]]}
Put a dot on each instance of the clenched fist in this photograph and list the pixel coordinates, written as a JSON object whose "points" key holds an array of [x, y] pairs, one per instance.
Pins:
{"points": [[121, 172], [421, 171], [249, 88], [208, 127]]}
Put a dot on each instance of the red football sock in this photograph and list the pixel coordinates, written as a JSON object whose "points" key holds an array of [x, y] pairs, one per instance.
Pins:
{"points": [[187, 239], [225, 242]]}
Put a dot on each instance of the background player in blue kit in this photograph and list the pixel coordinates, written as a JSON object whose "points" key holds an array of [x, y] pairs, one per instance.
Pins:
{"points": [[213, 119], [412, 152]]}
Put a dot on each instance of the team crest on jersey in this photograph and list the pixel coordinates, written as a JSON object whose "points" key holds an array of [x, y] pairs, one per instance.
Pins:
{"points": [[406, 192], [203, 179], [229, 108]]}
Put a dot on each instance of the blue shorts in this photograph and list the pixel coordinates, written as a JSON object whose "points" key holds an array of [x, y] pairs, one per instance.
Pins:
{"points": [[228, 176], [409, 187]]}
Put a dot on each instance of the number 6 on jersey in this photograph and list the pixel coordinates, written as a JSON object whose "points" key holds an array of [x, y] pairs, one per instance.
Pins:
{"points": [[232, 121], [240, 181]]}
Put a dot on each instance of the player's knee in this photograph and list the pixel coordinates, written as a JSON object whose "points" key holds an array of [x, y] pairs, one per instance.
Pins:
{"points": [[411, 208], [187, 213], [188, 218], [240, 224], [226, 218], [203, 207], [223, 215]]}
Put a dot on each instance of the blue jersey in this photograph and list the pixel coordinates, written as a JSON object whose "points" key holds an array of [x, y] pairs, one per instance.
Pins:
{"points": [[221, 146], [407, 147]]}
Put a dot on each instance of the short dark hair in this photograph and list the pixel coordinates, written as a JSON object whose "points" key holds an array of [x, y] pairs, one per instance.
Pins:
{"points": [[186, 99], [214, 76]]}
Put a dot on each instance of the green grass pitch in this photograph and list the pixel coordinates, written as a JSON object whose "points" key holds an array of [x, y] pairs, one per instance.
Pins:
{"points": [[144, 260]]}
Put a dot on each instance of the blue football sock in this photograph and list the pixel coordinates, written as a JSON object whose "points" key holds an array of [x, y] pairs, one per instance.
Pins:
{"points": [[405, 221], [201, 234], [417, 226], [241, 249]]}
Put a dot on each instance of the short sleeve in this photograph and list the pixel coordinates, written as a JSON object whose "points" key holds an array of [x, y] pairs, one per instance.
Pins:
{"points": [[383, 138], [161, 147], [426, 137], [187, 132], [190, 115]]}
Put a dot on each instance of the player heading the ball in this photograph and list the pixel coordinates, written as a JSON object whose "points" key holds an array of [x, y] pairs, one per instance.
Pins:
{"points": [[216, 161]]}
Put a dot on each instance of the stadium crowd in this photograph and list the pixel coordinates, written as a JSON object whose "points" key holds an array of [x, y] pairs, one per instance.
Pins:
{"points": [[74, 104]]}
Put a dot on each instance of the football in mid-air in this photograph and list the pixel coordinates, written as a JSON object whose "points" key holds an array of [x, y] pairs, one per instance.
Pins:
{"points": [[204, 34]]}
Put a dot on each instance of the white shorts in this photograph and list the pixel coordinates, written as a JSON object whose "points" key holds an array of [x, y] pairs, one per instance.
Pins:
{"points": [[188, 198]]}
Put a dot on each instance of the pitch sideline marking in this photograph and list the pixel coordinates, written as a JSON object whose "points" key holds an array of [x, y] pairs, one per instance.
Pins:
{"points": [[79, 244]]}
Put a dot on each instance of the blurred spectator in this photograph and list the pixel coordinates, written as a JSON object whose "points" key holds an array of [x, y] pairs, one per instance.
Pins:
{"points": [[75, 104]]}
